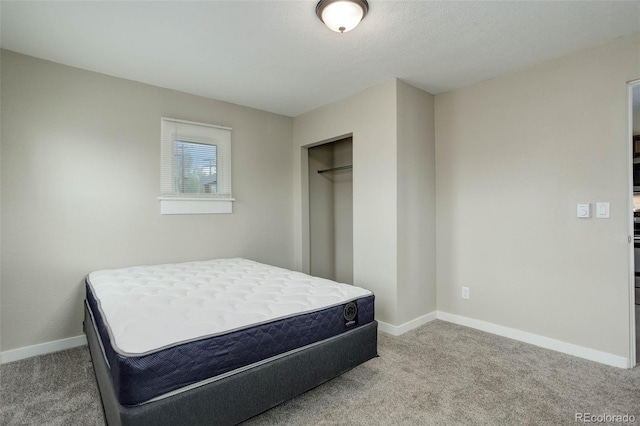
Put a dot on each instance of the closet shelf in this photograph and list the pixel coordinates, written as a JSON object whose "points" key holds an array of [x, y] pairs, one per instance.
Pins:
{"points": [[334, 169]]}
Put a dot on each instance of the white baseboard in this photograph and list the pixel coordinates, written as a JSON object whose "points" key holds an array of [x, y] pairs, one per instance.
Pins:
{"points": [[397, 330], [394, 330], [43, 348], [534, 339]]}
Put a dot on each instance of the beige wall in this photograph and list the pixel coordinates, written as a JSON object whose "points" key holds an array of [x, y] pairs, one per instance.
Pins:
{"points": [[370, 117], [80, 184], [514, 155], [416, 203], [321, 213], [393, 193], [343, 211]]}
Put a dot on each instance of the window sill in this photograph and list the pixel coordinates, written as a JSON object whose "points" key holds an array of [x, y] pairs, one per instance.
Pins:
{"points": [[185, 205]]}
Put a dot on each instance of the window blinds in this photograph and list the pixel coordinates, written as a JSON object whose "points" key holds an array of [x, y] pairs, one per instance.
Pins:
{"points": [[195, 160]]}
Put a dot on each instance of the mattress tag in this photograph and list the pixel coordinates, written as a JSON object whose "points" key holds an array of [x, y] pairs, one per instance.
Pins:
{"points": [[350, 314]]}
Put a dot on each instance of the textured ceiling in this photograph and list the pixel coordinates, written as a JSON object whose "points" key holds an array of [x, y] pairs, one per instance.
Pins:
{"points": [[277, 56]]}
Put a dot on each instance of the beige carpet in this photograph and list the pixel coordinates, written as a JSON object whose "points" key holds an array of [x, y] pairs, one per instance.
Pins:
{"points": [[438, 374], [56, 389]]}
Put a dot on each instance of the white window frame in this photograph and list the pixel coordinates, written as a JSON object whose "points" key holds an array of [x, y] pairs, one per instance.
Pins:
{"points": [[172, 202]]}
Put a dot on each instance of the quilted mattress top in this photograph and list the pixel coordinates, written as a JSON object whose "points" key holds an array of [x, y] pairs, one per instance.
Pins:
{"points": [[149, 308]]}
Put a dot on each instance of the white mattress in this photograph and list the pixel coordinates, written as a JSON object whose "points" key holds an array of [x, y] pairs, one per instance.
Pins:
{"points": [[148, 308]]}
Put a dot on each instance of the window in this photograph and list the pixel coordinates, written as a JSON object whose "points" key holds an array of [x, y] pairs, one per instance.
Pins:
{"points": [[196, 168]]}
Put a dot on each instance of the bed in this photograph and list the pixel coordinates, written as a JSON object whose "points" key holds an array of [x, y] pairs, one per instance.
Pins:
{"points": [[218, 341]]}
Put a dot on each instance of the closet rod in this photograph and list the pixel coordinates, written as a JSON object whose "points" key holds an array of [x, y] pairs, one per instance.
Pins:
{"points": [[333, 169]]}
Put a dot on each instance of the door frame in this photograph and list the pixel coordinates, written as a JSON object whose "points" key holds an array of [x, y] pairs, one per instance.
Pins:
{"points": [[630, 150]]}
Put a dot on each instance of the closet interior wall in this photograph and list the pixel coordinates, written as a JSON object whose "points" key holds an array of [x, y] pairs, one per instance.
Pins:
{"points": [[331, 211]]}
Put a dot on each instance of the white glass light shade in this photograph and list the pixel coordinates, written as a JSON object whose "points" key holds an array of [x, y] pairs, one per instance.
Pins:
{"points": [[342, 15]]}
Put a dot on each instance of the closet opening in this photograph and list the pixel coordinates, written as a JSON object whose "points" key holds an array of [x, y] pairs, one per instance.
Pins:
{"points": [[331, 210]]}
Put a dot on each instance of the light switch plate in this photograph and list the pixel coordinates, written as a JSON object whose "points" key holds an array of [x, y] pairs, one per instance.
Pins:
{"points": [[584, 210], [602, 210]]}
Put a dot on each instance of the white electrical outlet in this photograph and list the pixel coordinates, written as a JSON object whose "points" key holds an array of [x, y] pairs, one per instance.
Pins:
{"points": [[465, 292]]}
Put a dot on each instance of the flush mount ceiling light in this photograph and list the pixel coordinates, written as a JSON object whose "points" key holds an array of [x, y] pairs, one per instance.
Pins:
{"points": [[342, 15]]}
